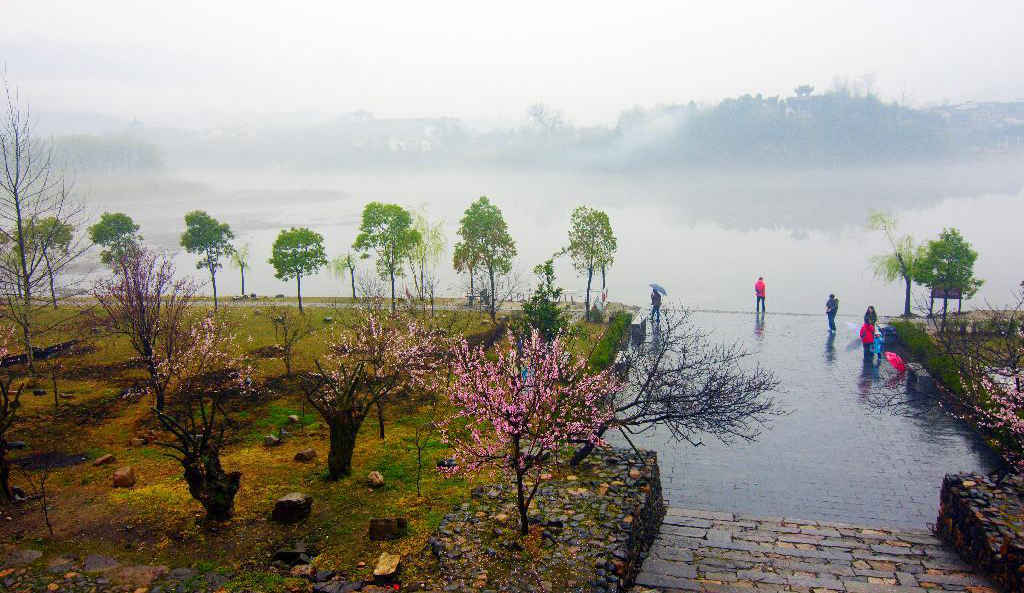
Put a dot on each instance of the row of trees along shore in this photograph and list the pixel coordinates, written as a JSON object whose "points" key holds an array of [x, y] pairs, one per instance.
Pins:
{"points": [[195, 363], [400, 240]]}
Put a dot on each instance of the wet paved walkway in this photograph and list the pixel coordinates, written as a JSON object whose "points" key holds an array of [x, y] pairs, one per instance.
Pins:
{"points": [[719, 552], [835, 456]]}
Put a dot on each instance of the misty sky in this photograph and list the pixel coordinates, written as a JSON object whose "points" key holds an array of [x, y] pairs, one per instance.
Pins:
{"points": [[193, 63]]}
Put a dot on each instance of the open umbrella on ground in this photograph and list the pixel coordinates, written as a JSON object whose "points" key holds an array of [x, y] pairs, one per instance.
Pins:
{"points": [[657, 287], [896, 362]]}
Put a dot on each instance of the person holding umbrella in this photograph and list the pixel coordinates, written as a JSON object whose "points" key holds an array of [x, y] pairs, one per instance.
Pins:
{"points": [[656, 292]]}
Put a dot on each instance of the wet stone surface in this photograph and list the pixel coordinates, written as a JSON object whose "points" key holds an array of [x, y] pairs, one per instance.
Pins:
{"points": [[718, 552], [837, 455], [589, 531]]}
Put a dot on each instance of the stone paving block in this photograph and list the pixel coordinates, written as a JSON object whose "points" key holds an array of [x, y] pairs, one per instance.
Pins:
{"points": [[719, 516], [719, 536], [648, 579], [684, 531], [859, 587], [828, 583], [672, 569], [949, 579], [759, 576], [683, 521]]}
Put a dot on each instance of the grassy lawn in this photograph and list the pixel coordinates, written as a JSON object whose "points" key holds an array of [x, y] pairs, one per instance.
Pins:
{"points": [[157, 521]]}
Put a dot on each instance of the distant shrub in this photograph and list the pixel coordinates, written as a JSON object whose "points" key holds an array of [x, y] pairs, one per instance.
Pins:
{"points": [[596, 315], [923, 349], [614, 336]]}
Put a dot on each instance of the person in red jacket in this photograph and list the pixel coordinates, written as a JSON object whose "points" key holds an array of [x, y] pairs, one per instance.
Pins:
{"points": [[867, 339], [759, 294]]}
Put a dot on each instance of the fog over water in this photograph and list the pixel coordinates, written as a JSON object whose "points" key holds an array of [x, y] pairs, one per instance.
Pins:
{"points": [[704, 235]]}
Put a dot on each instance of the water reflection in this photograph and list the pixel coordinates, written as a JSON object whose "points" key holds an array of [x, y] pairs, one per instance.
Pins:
{"points": [[759, 326], [830, 348]]}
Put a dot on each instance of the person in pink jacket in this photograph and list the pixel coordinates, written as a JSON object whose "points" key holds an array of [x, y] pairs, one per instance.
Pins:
{"points": [[759, 294]]}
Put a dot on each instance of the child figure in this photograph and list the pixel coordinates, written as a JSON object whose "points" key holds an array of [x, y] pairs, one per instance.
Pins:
{"points": [[878, 346]]}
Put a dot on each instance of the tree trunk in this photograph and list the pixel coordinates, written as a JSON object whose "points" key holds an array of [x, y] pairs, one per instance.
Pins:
{"points": [[945, 303], [298, 289], [586, 449], [49, 272], [242, 270], [380, 420], [26, 286], [392, 291], [214, 488], [5, 472], [343, 442], [906, 297], [590, 277], [490, 271], [352, 275], [524, 524], [603, 286], [471, 289], [213, 281]]}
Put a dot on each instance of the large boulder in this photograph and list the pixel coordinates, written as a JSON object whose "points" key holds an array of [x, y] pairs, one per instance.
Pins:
{"points": [[388, 528], [124, 477], [305, 455], [104, 459], [386, 568], [292, 507]]}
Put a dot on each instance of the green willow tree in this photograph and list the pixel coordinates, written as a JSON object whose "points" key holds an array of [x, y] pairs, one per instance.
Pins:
{"points": [[426, 254], [592, 245], [388, 231], [486, 243], [211, 239], [53, 240], [948, 263], [117, 234], [903, 257], [345, 264], [297, 252], [240, 260]]}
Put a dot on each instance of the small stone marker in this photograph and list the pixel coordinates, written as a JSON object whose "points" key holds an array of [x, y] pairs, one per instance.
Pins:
{"points": [[294, 419], [124, 477], [271, 441], [305, 455], [104, 460], [386, 568], [375, 479], [388, 528], [292, 507]]}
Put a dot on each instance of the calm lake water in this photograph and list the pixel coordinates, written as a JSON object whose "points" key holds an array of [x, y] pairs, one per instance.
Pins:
{"points": [[704, 236], [837, 454]]}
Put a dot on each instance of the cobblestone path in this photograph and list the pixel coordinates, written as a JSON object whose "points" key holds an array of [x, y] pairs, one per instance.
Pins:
{"points": [[735, 553]]}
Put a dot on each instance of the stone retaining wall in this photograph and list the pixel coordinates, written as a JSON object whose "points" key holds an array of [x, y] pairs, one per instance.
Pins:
{"points": [[590, 530], [984, 521]]}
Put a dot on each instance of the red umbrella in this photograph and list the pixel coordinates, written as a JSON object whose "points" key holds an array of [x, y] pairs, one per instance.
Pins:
{"points": [[896, 362]]}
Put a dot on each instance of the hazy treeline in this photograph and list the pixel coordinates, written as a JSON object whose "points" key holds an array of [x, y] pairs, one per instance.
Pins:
{"points": [[837, 127], [107, 153]]}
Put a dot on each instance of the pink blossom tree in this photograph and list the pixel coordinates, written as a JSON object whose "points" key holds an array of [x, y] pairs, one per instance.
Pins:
{"points": [[208, 369], [515, 412], [381, 356], [1001, 410], [144, 302]]}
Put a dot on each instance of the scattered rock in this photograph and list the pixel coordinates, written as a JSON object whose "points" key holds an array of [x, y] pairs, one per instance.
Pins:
{"points": [[16, 445], [60, 564], [635, 474], [97, 563], [328, 320], [104, 459], [388, 528], [448, 463], [23, 556], [181, 574], [375, 479], [292, 507], [137, 442], [386, 568], [271, 440], [38, 392], [305, 455], [139, 576], [293, 419], [303, 571], [124, 477]]}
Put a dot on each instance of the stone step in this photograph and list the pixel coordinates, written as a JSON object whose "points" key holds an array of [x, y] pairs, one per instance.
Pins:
{"points": [[713, 551]]}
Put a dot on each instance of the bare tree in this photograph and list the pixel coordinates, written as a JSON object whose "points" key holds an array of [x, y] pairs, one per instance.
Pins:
{"points": [[145, 303], [36, 210], [290, 328], [38, 488], [686, 383]]}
